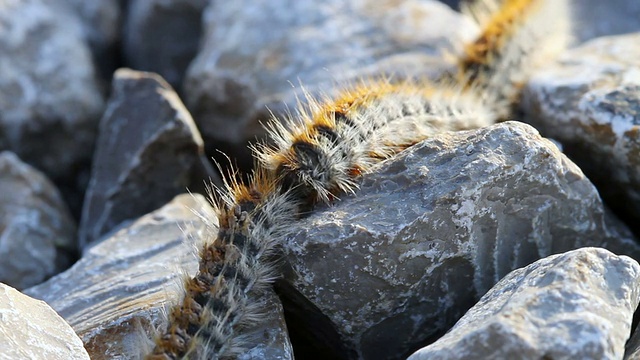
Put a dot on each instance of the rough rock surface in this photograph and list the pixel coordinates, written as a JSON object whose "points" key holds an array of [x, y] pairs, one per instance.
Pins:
{"points": [[50, 103], [101, 28], [163, 36], [37, 233], [255, 54], [433, 229], [30, 329], [577, 305], [590, 101], [118, 293], [148, 151]]}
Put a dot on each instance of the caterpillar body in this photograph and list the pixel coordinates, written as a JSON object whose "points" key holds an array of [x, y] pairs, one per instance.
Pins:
{"points": [[320, 153]]}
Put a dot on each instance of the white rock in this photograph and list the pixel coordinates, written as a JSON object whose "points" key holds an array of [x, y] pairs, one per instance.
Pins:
{"points": [[576, 305], [31, 329], [589, 101]]}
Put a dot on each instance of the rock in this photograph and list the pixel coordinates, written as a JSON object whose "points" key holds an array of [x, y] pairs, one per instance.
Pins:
{"points": [[271, 333], [577, 305], [49, 97], [632, 349], [148, 151], [589, 101], [434, 228], [119, 293], [254, 51], [163, 36], [594, 18], [101, 28], [30, 329], [37, 233]]}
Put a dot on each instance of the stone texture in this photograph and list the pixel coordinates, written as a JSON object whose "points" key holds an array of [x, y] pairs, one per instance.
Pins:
{"points": [[163, 36], [119, 292], [255, 53], [433, 229], [589, 101], [49, 97], [272, 336], [101, 28], [577, 305], [148, 151], [30, 329], [37, 233]]}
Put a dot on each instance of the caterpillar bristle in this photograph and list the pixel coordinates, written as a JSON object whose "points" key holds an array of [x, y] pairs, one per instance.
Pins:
{"points": [[517, 35]]}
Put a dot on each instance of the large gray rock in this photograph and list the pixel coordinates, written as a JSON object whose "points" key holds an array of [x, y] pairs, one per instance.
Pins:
{"points": [[148, 151], [434, 228], [163, 36], [50, 103], [255, 53], [118, 295], [577, 305], [37, 233], [31, 329], [589, 101]]}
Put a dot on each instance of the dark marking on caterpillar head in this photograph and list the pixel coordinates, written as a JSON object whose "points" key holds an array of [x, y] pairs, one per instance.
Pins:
{"points": [[341, 117], [327, 133], [307, 155]]}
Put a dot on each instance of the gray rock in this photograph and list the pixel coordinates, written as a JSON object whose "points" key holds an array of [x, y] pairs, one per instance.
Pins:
{"points": [[119, 293], [37, 233], [163, 36], [49, 97], [148, 151], [434, 228], [101, 28], [254, 51], [271, 333], [589, 101], [577, 305], [632, 349], [594, 18], [30, 329]]}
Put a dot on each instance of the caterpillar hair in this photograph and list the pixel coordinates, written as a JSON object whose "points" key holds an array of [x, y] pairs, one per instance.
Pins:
{"points": [[216, 303], [517, 35], [329, 144], [319, 154]]}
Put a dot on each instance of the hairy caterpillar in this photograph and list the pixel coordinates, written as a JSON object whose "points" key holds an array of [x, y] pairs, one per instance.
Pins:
{"points": [[319, 155]]}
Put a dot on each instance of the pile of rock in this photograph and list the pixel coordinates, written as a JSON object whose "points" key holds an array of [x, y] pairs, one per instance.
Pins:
{"points": [[493, 236]]}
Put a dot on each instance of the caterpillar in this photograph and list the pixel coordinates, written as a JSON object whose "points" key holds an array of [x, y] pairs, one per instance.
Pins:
{"points": [[319, 154]]}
